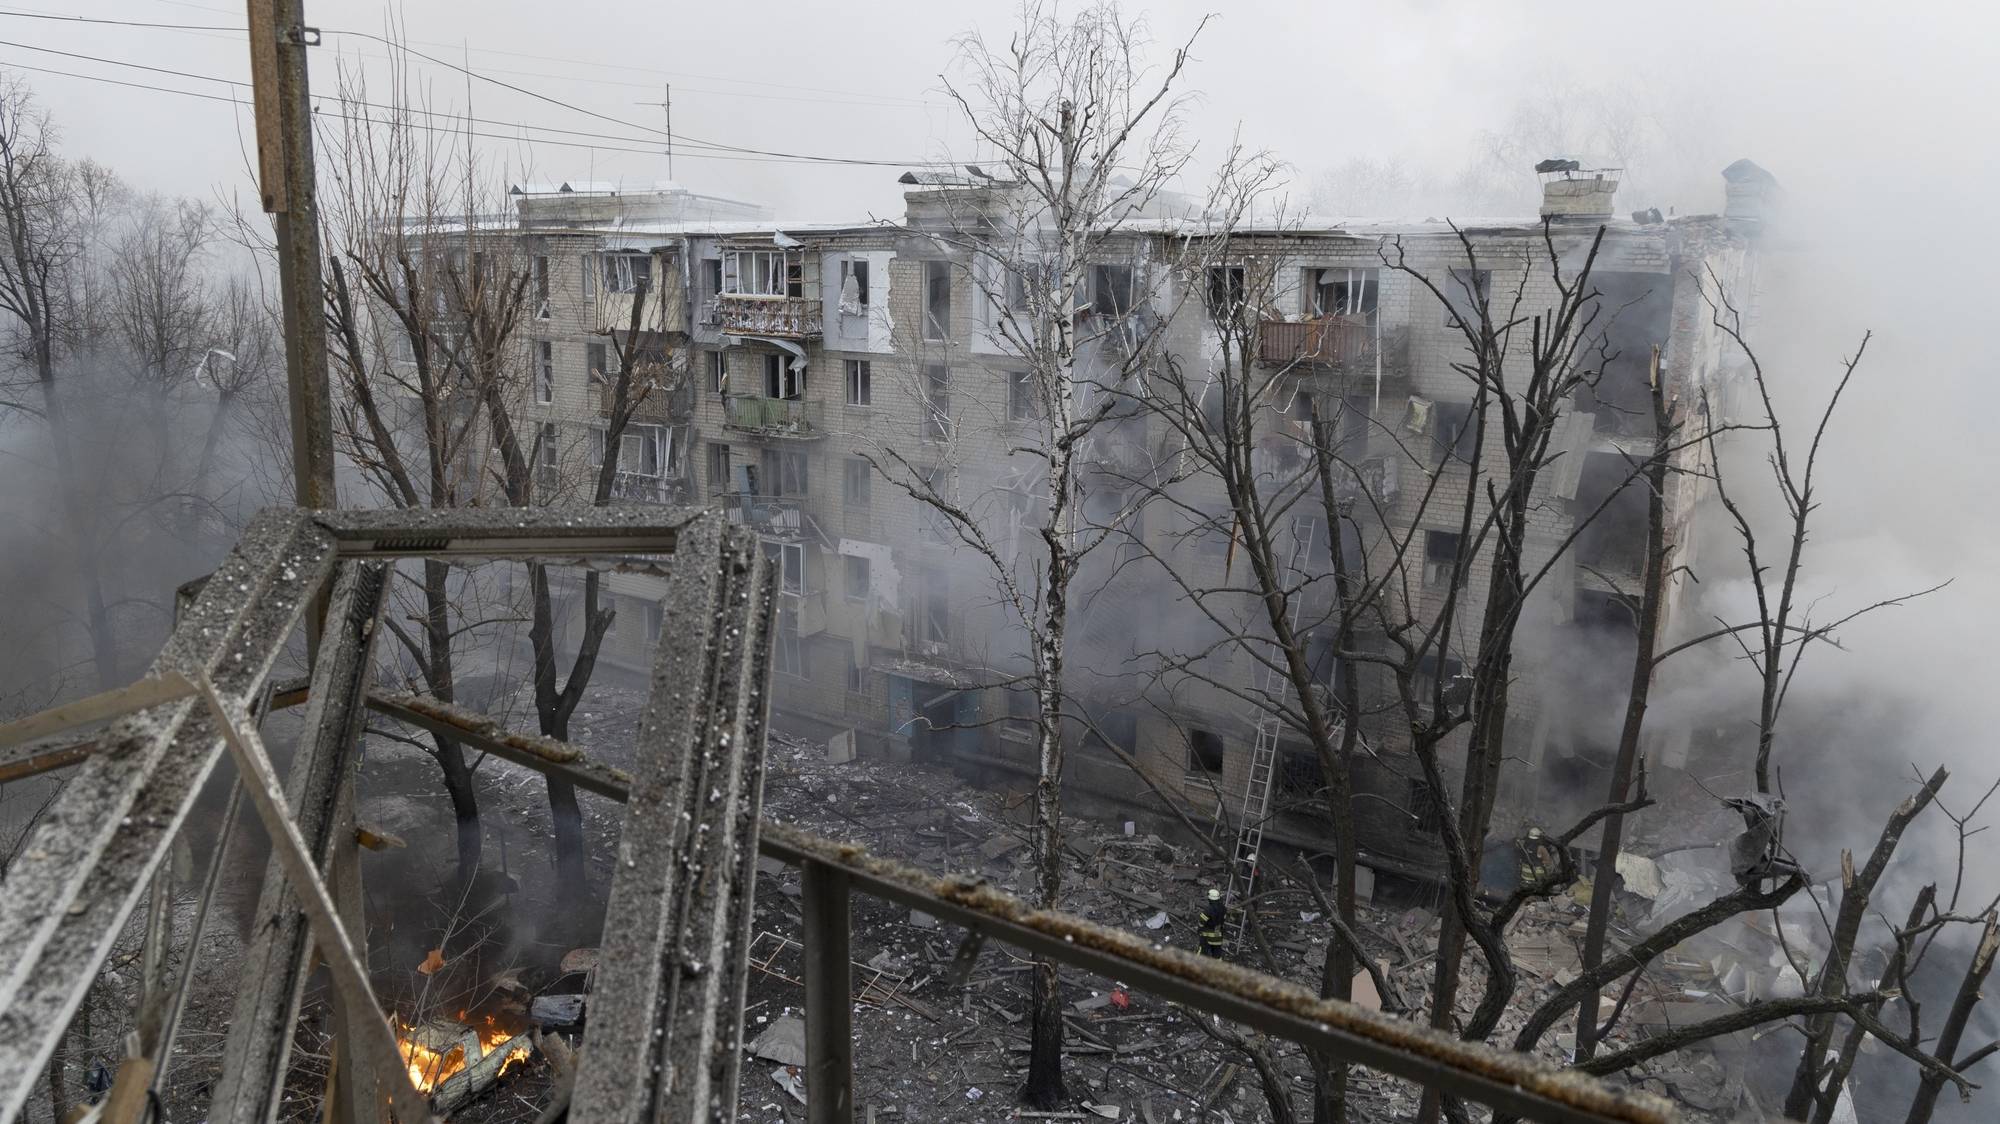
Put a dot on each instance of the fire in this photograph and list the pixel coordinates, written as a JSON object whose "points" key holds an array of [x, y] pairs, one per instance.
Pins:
{"points": [[435, 1051]]}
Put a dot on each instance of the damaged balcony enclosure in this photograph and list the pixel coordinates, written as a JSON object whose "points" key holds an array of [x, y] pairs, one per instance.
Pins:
{"points": [[664, 1036]]}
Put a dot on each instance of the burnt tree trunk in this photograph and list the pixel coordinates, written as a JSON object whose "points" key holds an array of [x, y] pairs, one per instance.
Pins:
{"points": [[1946, 1050], [1650, 598]]}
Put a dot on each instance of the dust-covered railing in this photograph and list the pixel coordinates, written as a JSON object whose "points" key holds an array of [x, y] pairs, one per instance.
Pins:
{"points": [[665, 1034]]}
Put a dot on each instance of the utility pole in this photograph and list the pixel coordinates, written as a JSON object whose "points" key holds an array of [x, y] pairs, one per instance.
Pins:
{"points": [[278, 41]]}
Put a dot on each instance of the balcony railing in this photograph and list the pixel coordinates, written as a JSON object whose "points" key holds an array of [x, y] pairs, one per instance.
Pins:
{"points": [[791, 317], [772, 516], [773, 417], [633, 487], [1331, 341]]}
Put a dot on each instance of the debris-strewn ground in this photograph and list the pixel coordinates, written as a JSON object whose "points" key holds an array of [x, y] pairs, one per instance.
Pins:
{"points": [[926, 1048]]}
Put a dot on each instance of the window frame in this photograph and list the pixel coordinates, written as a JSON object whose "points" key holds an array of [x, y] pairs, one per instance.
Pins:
{"points": [[855, 471], [857, 268], [849, 572], [545, 372], [621, 276], [860, 388], [937, 297], [937, 402]]}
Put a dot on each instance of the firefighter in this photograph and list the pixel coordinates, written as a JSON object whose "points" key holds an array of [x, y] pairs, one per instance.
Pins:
{"points": [[1213, 915], [1538, 857]]}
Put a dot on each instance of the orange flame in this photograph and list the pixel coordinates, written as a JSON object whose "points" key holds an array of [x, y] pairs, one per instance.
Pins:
{"points": [[430, 1068]]}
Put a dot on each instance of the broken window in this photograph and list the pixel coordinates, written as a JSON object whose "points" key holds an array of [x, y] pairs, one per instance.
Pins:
{"points": [[933, 614], [856, 482], [545, 372], [1111, 290], [599, 434], [1440, 556], [937, 402], [1466, 291], [1340, 292], [1454, 432], [718, 372], [538, 274], [853, 285], [718, 467], [789, 559], [595, 356], [627, 272], [1299, 776], [937, 300], [642, 450], [1225, 291], [857, 577], [781, 379], [1205, 752], [755, 273], [859, 390], [711, 274]]}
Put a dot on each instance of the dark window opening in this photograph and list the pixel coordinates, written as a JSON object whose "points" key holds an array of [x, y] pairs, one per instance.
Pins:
{"points": [[1111, 292], [1205, 752], [1226, 291], [854, 283], [1341, 292], [1299, 775], [937, 300], [1440, 557], [1453, 432]]}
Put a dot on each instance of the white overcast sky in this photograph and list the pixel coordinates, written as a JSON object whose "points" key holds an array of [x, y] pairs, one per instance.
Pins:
{"points": [[1878, 118], [1827, 92]]}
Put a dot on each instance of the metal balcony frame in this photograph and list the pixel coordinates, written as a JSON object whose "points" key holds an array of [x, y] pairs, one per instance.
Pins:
{"points": [[86, 866]]}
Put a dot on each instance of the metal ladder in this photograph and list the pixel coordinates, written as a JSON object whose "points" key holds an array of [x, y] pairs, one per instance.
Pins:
{"points": [[1277, 685]]}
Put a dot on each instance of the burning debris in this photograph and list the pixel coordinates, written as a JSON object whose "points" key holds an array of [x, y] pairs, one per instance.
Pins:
{"points": [[453, 1060]]}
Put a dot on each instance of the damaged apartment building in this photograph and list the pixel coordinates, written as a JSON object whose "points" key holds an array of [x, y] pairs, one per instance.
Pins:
{"points": [[798, 352]]}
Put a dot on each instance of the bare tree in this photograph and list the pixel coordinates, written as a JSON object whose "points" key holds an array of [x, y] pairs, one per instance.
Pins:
{"points": [[1085, 139], [425, 291], [43, 205]]}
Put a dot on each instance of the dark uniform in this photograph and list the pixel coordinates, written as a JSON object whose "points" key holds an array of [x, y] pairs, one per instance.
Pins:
{"points": [[1213, 914]]}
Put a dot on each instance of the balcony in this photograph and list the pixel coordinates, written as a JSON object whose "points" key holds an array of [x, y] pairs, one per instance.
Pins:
{"points": [[772, 417], [1329, 341], [776, 517], [741, 314], [633, 487]]}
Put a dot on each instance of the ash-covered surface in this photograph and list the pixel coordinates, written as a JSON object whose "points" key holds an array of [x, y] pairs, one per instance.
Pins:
{"points": [[926, 1049]]}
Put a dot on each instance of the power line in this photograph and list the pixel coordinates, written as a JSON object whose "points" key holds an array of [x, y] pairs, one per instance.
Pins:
{"points": [[861, 97], [322, 113], [472, 73]]}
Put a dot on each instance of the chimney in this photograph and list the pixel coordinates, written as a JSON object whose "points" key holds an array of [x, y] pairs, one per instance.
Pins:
{"points": [[1571, 191], [1750, 195]]}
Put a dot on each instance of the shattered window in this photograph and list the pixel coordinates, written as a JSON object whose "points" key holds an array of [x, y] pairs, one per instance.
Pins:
{"points": [[1205, 752], [937, 300]]}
